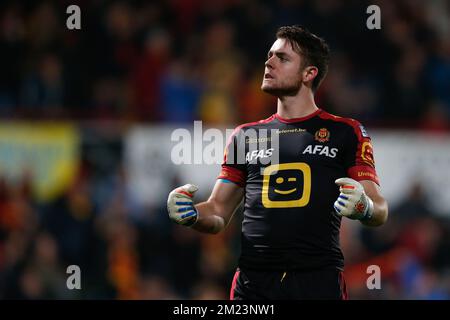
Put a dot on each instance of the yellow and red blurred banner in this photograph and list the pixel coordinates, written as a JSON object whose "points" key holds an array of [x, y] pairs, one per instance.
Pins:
{"points": [[50, 152]]}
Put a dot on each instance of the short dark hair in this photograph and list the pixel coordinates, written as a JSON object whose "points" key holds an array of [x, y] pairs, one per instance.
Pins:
{"points": [[313, 49]]}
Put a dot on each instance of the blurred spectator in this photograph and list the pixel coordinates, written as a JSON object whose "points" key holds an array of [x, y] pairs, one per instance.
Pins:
{"points": [[43, 87], [12, 42], [406, 99], [438, 75], [180, 94], [147, 73], [222, 70]]}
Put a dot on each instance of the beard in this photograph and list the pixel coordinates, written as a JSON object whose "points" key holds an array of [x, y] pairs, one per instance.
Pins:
{"points": [[285, 89]]}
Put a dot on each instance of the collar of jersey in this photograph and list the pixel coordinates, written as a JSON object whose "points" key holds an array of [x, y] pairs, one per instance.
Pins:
{"points": [[315, 113]]}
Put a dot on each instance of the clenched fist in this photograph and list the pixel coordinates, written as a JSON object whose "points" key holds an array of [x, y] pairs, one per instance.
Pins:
{"points": [[353, 202], [181, 207]]}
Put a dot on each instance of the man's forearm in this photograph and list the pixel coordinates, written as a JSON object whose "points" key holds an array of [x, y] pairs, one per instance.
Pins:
{"points": [[211, 216], [208, 220], [380, 212]]}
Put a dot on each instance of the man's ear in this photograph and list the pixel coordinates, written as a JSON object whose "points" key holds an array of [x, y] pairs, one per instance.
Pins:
{"points": [[309, 73]]}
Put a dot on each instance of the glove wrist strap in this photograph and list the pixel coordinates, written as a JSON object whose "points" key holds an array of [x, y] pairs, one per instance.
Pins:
{"points": [[368, 214]]}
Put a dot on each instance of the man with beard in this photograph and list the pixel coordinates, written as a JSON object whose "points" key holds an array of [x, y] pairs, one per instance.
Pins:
{"points": [[297, 183]]}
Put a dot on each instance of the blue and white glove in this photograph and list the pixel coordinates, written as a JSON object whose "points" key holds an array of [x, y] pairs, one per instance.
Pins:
{"points": [[353, 202], [181, 207]]}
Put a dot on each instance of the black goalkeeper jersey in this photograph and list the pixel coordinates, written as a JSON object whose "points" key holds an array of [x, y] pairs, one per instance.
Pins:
{"points": [[288, 169]]}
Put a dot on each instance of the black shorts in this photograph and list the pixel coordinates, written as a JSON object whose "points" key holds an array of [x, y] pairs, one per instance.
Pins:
{"points": [[324, 284]]}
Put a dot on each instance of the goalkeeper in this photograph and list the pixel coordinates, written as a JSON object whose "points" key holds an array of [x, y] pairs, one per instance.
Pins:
{"points": [[293, 205]]}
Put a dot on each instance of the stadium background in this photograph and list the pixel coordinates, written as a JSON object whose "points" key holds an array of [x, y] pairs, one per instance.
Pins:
{"points": [[86, 117]]}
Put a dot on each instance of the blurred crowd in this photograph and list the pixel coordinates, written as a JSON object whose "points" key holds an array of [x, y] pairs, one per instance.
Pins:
{"points": [[179, 60], [170, 62]]}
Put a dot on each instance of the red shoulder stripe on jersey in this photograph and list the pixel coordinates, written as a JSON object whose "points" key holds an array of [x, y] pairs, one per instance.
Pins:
{"points": [[232, 174], [298, 119], [236, 130], [360, 173], [351, 122], [364, 150]]}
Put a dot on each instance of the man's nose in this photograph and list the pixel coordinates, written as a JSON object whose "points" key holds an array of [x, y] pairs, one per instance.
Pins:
{"points": [[268, 63]]}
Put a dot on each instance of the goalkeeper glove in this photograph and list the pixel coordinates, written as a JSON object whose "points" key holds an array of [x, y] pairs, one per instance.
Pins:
{"points": [[353, 202], [180, 206]]}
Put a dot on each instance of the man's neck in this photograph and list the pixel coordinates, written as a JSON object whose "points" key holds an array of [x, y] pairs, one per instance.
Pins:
{"points": [[298, 106]]}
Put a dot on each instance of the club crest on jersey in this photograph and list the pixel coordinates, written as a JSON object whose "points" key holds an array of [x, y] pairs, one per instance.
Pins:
{"points": [[322, 135], [367, 153]]}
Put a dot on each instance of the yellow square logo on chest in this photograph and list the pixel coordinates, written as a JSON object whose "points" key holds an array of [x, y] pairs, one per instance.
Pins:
{"points": [[282, 181]]}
